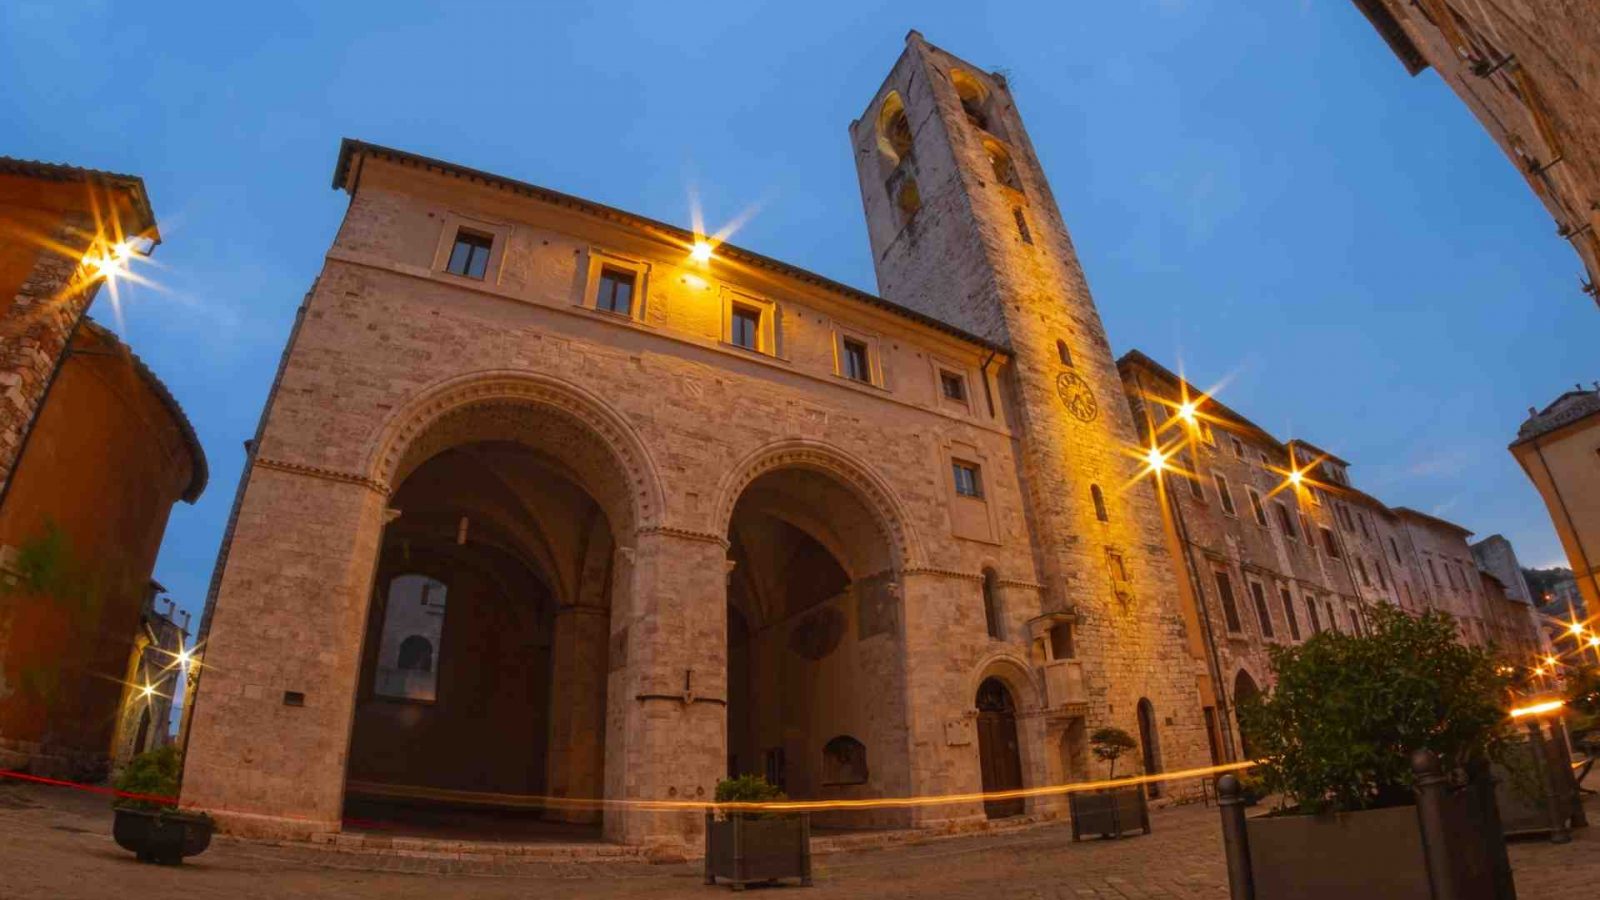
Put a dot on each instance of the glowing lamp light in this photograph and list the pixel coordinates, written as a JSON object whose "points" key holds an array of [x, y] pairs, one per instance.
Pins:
{"points": [[1537, 708], [1186, 411], [1295, 477], [1156, 459], [701, 252], [146, 692], [185, 657], [1594, 640], [1550, 661], [1575, 628]]}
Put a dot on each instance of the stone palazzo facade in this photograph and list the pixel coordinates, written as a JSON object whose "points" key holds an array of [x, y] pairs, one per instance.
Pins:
{"points": [[552, 502]]}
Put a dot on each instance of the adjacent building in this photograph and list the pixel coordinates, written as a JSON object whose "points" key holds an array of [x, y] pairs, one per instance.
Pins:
{"points": [[1530, 71], [152, 683], [94, 451], [1558, 447]]}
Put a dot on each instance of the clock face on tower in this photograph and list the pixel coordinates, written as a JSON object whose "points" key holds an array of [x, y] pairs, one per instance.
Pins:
{"points": [[1076, 396]]}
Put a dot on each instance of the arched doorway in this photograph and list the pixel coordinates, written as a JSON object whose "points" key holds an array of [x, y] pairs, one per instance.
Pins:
{"points": [[1244, 689], [483, 675], [999, 758], [814, 645], [1148, 746]]}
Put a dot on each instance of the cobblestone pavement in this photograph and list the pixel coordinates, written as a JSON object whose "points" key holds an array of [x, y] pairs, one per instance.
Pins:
{"points": [[56, 843]]}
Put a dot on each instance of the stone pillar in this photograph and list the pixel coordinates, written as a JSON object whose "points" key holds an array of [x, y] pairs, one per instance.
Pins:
{"points": [[942, 740], [666, 693], [271, 730], [576, 755]]}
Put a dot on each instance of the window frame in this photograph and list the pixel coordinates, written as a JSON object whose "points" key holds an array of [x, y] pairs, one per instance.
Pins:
{"points": [[1223, 582], [1293, 621], [1256, 507], [614, 276], [769, 321], [1258, 599], [1224, 495], [958, 466], [476, 241], [598, 261], [450, 226], [874, 355]]}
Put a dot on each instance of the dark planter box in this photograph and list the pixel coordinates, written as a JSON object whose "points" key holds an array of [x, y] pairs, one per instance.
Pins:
{"points": [[1109, 813], [162, 836], [1536, 791], [1452, 850], [746, 849]]}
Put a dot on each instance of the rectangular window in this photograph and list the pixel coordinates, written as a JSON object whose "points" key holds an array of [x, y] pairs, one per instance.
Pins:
{"points": [[1288, 613], [1450, 574], [1238, 448], [1362, 518], [1286, 522], [1256, 507], [745, 327], [1190, 475], [1333, 619], [615, 291], [1061, 641], [1305, 529], [1230, 609], [1435, 573], [1383, 581], [1328, 542], [1119, 572], [1343, 514], [1316, 620], [1361, 564], [1222, 492], [1394, 550], [1022, 225], [469, 257], [953, 386], [1259, 595], [853, 361], [967, 481]]}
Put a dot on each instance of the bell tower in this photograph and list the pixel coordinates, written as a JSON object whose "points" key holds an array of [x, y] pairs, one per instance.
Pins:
{"points": [[964, 228]]}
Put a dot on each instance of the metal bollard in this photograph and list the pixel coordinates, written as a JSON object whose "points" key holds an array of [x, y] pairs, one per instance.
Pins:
{"points": [[1432, 819], [1235, 841]]}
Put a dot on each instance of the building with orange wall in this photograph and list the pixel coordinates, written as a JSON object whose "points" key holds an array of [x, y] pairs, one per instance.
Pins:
{"points": [[94, 451]]}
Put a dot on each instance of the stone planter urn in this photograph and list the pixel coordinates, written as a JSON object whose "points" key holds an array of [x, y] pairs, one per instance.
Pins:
{"points": [[163, 836], [746, 849], [1448, 846], [1111, 812]]}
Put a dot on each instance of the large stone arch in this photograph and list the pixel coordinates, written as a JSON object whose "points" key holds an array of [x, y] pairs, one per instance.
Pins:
{"points": [[854, 473], [1017, 675], [413, 432]]}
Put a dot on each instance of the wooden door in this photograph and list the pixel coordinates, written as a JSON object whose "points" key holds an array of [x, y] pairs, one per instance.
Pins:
{"points": [[999, 761]]}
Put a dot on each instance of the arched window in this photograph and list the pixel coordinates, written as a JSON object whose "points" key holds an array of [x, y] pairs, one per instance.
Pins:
{"points": [[973, 98], [906, 197], [1064, 353], [1000, 164], [844, 761], [894, 129], [991, 604], [1099, 503], [416, 654]]}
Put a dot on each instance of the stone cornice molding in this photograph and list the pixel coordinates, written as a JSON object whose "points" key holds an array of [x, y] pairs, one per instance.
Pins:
{"points": [[684, 533], [294, 468]]}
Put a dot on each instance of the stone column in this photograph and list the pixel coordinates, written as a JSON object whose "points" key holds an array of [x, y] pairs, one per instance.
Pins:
{"points": [[576, 755], [942, 740], [271, 730], [666, 694]]}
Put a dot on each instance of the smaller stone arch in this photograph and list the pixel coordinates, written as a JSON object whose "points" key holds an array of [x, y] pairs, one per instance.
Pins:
{"points": [[853, 473], [1015, 673], [894, 130], [974, 98]]}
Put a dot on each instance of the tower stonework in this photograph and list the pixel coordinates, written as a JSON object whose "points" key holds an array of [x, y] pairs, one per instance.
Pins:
{"points": [[964, 228]]}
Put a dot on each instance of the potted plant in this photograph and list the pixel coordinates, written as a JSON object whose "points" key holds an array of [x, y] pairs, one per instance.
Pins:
{"points": [[1379, 746], [148, 821], [750, 847], [1109, 812]]}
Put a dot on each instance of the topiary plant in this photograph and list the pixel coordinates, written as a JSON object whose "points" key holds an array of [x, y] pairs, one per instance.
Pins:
{"points": [[1110, 743], [747, 789], [153, 773], [1339, 727]]}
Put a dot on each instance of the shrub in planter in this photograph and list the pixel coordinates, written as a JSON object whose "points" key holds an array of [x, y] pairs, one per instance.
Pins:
{"points": [[754, 847], [156, 830], [1341, 736], [1109, 812]]}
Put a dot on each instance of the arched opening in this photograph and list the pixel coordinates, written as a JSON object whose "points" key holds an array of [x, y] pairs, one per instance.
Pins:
{"points": [[1005, 172], [907, 199], [813, 631], [992, 618], [999, 757], [1149, 745], [1099, 498], [894, 130], [483, 676], [1244, 690], [974, 99]]}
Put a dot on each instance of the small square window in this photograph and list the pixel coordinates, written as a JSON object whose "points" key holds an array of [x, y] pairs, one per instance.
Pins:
{"points": [[853, 362], [469, 257], [953, 386], [745, 328], [615, 291], [968, 483]]}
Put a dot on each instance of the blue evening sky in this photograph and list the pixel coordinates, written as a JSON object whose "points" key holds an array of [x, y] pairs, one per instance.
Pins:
{"points": [[1257, 189]]}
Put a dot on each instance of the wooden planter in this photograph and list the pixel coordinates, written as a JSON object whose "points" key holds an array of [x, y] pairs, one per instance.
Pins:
{"points": [[1109, 813], [751, 849], [162, 836], [1446, 847]]}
